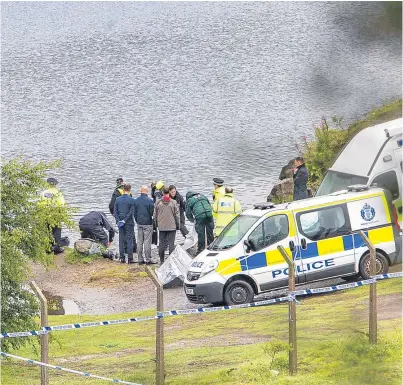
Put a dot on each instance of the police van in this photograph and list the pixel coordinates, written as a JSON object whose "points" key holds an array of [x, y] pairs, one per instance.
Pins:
{"points": [[377, 154], [321, 233]]}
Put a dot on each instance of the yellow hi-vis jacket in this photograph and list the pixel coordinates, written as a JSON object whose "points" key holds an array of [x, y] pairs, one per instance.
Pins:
{"points": [[225, 209], [52, 195], [218, 192]]}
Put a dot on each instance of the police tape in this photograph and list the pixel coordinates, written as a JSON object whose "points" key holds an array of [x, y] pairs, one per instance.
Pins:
{"points": [[290, 297], [85, 374], [345, 286], [47, 329]]}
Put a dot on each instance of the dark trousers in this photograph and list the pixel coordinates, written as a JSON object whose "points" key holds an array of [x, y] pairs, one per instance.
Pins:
{"points": [[134, 243], [154, 238], [204, 225], [96, 233], [57, 234], [126, 235], [184, 231], [167, 238]]}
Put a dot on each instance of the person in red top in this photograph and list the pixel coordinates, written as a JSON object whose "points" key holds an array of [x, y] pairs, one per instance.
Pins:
{"points": [[166, 216]]}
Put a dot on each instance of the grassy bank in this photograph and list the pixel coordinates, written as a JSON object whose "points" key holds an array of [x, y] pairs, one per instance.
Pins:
{"points": [[330, 138], [235, 347]]}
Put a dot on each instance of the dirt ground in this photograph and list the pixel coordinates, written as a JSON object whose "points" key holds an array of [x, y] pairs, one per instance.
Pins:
{"points": [[105, 287]]}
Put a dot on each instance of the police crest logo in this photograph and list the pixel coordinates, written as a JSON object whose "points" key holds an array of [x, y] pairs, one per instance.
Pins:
{"points": [[367, 212]]}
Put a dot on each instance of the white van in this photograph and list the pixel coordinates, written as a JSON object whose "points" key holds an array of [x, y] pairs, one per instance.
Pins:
{"points": [[320, 232], [373, 156]]}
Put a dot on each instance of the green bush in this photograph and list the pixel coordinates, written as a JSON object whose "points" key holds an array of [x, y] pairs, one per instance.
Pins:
{"points": [[320, 154], [328, 142], [25, 235]]}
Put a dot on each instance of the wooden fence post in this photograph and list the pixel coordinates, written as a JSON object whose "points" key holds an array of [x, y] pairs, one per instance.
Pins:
{"points": [[44, 338], [373, 316], [292, 313], [160, 374]]}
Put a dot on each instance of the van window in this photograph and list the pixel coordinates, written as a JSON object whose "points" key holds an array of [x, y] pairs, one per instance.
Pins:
{"points": [[270, 231], [324, 223], [337, 181], [234, 232], [388, 181]]}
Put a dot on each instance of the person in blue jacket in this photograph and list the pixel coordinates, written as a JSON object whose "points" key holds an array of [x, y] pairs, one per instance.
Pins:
{"points": [[143, 214], [123, 212]]}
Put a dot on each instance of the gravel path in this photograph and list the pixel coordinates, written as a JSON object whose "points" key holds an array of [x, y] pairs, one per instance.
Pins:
{"points": [[106, 287]]}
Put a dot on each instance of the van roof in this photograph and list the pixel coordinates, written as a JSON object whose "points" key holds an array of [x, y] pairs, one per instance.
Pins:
{"points": [[364, 147], [315, 201]]}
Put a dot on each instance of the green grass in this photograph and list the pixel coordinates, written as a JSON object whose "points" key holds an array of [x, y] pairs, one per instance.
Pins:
{"points": [[234, 347], [385, 113], [73, 257]]}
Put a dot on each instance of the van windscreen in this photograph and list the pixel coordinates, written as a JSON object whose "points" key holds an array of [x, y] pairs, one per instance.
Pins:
{"points": [[337, 181], [234, 232]]}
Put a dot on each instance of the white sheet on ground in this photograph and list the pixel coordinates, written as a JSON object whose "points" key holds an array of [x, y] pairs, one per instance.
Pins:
{"points": [[191, 239], [176, 265]]}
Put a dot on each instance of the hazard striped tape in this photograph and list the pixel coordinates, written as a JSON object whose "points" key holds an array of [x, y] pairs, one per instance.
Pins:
{"points": [[290, 297], [85, 374], [345, 286], [47, 329]]}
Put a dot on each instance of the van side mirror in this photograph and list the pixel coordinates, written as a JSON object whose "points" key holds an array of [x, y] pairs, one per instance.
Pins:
{"points": [[292, 246], [250, 245], [247, 245]]}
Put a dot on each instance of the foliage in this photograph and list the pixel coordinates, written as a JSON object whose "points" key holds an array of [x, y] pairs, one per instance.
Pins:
{"points": [[273, 349], [328, 142], [320, 154], [25, 235], [75, 258], [282, 198]]}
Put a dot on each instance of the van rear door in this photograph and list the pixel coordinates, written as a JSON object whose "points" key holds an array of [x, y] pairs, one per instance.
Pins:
{"points": [[391, 180], [324, 247], [398, 202]]}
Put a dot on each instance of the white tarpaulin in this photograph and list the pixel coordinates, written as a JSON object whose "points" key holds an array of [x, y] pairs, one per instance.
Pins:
{"points": [[176, 265], [191, 239]]}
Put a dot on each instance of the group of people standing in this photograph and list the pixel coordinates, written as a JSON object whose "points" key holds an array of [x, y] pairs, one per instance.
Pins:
{"points": [[159, 217], [164, 214]]}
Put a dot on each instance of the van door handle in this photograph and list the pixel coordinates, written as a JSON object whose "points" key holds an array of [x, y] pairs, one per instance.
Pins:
{"points": [[399, 210], [303, 243]]}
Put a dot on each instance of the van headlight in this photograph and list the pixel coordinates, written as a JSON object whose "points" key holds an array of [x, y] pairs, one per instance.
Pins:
{"points": [[212, 265]]}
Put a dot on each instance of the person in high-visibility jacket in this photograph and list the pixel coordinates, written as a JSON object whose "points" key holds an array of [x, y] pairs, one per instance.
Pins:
{"points": [[225, 209], [219, 189], [116, 193], [52, 196]]}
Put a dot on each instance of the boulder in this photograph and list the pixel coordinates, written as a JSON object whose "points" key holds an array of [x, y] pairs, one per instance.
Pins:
{"points": [[281, 191], [286, 171]]}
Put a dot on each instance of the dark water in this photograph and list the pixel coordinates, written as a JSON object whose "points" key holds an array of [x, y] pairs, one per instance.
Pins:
{"points": [[59, 306], [184, 91]]}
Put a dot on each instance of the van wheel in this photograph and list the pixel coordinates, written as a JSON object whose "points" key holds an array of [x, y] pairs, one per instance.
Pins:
{"points": [[382, 265], [238, 292]]}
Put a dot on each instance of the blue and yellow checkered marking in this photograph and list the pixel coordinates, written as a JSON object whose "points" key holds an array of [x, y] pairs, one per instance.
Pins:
{"points": [[314, 249]]}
